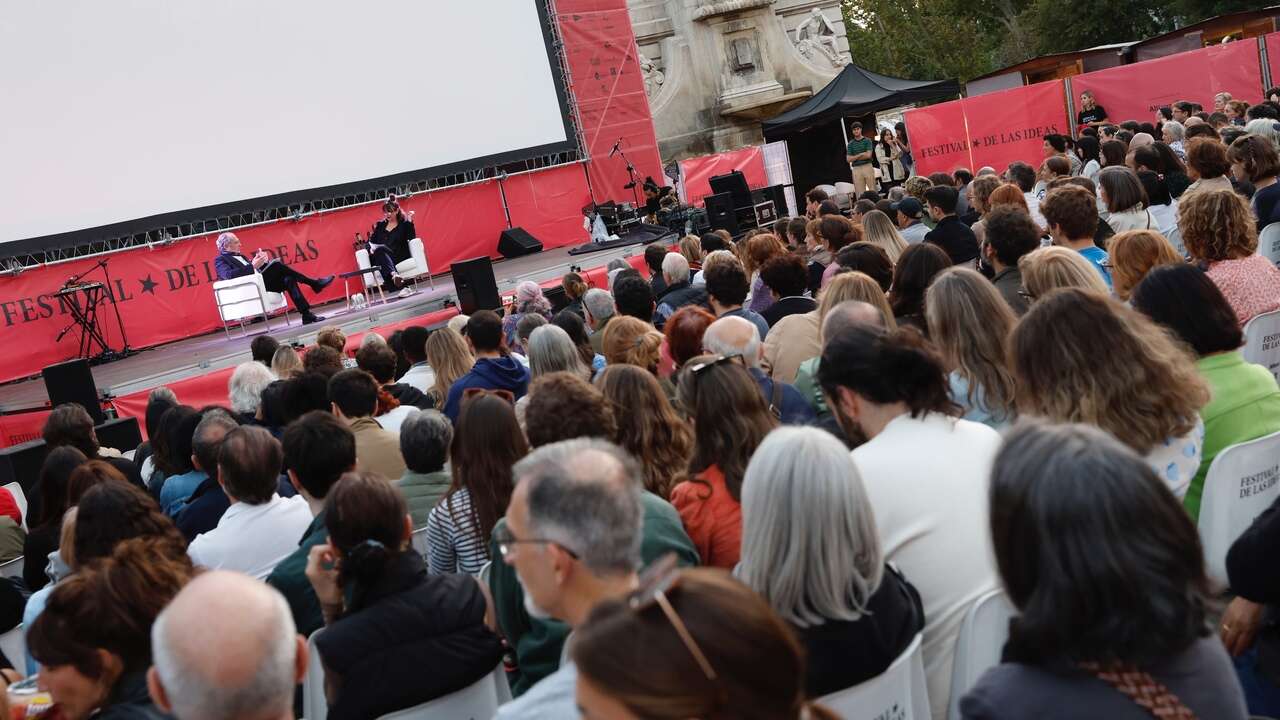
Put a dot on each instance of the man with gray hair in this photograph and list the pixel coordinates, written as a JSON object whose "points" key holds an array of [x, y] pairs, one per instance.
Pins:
{"points": [[244, 390], [732, 335], [600, 309], [276, 275], [578, 526], [675, 271], [226, 649]]}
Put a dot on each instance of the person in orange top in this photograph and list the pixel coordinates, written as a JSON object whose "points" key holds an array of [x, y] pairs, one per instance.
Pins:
{"points": [[730, 418]]}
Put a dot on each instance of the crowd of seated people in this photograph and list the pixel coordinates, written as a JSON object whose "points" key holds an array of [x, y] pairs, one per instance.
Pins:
{"points": [[731, 485]]}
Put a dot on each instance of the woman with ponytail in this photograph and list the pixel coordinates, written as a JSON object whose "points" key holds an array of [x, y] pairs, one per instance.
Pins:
{"points": [[394, 636], [925, 472], [1106, 572]]}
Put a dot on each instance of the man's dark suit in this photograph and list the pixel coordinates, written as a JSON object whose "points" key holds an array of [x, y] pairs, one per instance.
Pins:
{"points": [[276, 277]]}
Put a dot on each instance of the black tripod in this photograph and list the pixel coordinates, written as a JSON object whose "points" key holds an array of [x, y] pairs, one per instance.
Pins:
{"points": [[87, 317]]}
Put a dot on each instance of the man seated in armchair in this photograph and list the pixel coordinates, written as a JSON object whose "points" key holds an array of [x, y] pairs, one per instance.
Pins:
{"points": [[276, 275]]}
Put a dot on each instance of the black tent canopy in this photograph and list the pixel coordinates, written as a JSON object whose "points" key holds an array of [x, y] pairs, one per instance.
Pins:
{"points": [[814, 130], [857, 91]]}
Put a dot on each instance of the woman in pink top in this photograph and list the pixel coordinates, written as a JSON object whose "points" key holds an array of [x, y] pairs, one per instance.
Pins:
{"points": [[730, 418], [1219, 232]]}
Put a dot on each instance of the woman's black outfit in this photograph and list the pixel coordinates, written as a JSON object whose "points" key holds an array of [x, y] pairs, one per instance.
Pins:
{"points": [[408, 638], [35, 553], [389, 247], [843, 653]]}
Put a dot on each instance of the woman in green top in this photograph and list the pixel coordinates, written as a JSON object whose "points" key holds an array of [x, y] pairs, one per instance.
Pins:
{"points": [[1245, 402]]}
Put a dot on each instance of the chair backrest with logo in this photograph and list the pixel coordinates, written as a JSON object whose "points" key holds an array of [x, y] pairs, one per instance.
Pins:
{"points": [[1242, 481], [1269, 243], [898, 693], [1262, 341]]}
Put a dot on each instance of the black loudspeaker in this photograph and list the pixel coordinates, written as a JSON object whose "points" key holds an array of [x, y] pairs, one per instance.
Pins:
{"points": [[119, 433], [474, 283], [21, 463], [516, 242], [734, 183], [72, 381], [721, 214], [778, 194]]}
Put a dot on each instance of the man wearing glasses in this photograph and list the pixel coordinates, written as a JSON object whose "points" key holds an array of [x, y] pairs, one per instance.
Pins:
{"points": [[572, 533]]}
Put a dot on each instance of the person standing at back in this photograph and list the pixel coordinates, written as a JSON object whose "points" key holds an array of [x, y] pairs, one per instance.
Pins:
{"points": [[859, 155], [925, 473]]}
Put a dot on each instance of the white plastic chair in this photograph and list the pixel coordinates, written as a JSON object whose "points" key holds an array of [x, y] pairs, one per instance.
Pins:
{"points": [[899, 692], [1242, 482], [983, 632], [14, 646], [315, 706], [19, 497], [1262, 340], [244, 297], [478, 701], [420, 542], [411, 269], [1269, 243]]}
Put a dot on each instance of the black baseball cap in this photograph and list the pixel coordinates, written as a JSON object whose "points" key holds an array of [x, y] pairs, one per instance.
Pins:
{"points": [[908, 206]]}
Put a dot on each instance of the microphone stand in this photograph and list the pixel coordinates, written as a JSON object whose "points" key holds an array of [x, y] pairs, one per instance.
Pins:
{"points": [[631, 175], [115, 305]]}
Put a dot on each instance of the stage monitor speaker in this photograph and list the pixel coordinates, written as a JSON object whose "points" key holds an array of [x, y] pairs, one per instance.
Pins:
{"points": [[119, 433], [777, 194], [474, 283], [734, 183], [21, 463], [721, 213], [72, 382], [516, 242]]}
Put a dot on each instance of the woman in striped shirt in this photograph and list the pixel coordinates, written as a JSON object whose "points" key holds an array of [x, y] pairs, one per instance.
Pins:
{"points": [[486, 443]]}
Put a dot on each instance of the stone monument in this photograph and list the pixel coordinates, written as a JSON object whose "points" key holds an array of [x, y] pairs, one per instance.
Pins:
{"points": [[713, 69]]}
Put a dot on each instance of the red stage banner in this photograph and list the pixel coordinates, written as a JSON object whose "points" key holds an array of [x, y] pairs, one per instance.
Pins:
{"points": [[1135, 92], [1273, 56], [698, 171], [197, 391], [548, 204], [993, 129]]}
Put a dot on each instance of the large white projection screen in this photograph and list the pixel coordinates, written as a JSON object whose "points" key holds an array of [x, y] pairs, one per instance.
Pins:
{"points": [[116, 110]]}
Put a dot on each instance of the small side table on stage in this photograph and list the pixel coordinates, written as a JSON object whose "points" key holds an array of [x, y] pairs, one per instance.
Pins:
{"points": [[346, 286]]}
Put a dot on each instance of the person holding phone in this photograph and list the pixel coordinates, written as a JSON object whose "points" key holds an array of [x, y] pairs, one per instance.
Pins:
{"points": [[276, 275]]}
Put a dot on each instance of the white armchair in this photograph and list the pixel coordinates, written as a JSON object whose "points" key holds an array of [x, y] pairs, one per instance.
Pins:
{"points": [[412, 269], [244, 297]]}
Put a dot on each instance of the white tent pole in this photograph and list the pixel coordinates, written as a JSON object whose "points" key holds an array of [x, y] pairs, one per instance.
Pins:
{"points": [[844, 130]]}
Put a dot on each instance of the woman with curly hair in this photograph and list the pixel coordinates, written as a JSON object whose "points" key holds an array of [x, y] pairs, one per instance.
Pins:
{"points": [[648, 426], [1079, 356], [1219, 232]]}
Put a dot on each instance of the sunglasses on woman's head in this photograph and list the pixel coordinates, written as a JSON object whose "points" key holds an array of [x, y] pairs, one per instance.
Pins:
{"points": [[703, 366], [475, 392], [655, 582]]}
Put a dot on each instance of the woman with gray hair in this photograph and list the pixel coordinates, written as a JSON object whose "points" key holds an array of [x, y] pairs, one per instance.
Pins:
{"points": [[244, 390], [551, 350], [810, 548]]}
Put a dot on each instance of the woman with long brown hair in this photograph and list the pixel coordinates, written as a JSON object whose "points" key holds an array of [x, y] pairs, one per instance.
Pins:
{"points": [[648, 426], [487, 441], [690, 644], [1079, 356], [730, 418], [968, 323], [449, 359]]}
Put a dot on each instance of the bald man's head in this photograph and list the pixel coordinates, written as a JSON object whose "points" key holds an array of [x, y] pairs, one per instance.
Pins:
{"points": [[850, 313], [226, 649], [733, 335]]}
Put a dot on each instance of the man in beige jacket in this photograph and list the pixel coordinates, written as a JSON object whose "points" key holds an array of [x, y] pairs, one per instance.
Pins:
{"points": [[354, 396]]}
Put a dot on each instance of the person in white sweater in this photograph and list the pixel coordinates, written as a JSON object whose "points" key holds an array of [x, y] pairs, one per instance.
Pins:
{"points": [[926, 474]]}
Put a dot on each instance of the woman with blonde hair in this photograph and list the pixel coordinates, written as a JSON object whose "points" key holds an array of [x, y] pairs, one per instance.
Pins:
{"points": [[648, 426], [632, 341], [691, 249], [449, 359], [1218, 229], [968, 323], [758, 251], [880, 231], [1079, 356], [1133, 253], [285, 363], [1055, 267]]}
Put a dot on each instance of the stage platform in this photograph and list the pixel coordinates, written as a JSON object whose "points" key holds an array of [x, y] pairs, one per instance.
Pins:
{"points": [[214, 351]]}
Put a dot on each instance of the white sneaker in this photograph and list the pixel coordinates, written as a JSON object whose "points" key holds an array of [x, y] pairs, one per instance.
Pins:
{"points": [[406, 292]]}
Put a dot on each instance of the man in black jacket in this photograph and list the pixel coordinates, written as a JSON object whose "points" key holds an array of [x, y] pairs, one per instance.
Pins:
{"points": [[276, 275], [950, 234]]}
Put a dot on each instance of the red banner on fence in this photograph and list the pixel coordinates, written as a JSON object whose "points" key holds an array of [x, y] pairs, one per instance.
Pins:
{"points": [[993, 129], [1273, 56], [697, 172], [1134, 92]]}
